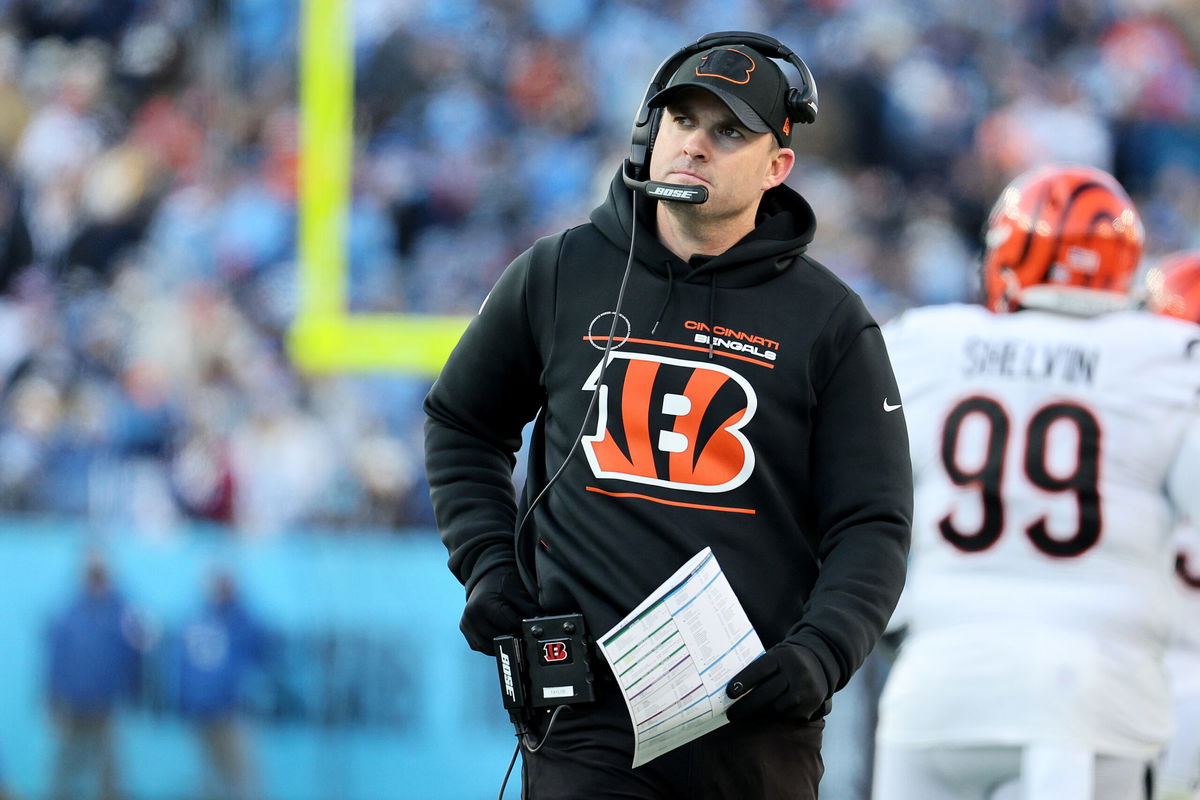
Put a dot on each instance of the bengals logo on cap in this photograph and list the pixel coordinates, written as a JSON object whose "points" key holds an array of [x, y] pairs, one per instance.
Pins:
{"points": [[672, 423], [727, 64]]}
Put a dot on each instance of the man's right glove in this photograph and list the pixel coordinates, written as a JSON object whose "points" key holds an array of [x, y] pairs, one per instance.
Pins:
{"points": [[496, 606]]}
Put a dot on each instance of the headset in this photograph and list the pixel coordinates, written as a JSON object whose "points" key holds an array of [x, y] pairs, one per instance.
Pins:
{"points": [[801, 104]]}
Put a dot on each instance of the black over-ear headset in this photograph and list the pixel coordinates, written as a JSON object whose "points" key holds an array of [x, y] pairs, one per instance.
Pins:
{"points": [[801, 104]]}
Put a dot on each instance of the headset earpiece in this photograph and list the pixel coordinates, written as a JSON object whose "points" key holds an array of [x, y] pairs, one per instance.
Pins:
{"points": [[801, 107]]}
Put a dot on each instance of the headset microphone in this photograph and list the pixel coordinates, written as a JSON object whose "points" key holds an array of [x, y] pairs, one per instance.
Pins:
{"points": [[679, 192]]}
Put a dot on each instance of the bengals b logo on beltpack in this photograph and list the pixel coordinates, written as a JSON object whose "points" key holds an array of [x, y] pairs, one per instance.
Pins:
{"points": [[672, 423], [556, 653]]}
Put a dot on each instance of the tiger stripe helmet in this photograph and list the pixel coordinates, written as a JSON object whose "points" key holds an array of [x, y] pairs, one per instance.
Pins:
{"points": [[1062, 225], [1173, 286]]}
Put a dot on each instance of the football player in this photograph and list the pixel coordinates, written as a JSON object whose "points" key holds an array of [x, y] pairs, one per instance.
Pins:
{"points": [[1055, 437], [1179, 770], [1173, 288]]}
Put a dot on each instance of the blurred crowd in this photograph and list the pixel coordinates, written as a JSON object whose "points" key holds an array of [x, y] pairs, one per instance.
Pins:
{"points": [[148, 153]]}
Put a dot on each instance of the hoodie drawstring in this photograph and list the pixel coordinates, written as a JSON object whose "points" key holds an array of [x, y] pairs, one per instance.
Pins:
{"points": [[712, 305], [667, 299]]}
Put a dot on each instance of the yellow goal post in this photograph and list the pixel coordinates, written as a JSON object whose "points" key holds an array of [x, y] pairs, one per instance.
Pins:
{"points": [[325, 336]]}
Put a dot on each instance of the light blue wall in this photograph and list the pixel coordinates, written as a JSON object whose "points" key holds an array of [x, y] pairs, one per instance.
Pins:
{"points": [[452, 741]]}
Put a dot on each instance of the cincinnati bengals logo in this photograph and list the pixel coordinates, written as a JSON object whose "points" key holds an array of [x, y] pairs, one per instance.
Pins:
{"points": [[555, 652], [672, 423], [727, 64]]}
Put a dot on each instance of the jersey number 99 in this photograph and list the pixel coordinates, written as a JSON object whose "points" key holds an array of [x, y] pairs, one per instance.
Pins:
{"points": [[1083, 480]]}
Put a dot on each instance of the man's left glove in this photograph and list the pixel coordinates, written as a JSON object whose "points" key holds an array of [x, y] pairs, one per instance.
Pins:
{"points": [[787, 681], [498, 603]]}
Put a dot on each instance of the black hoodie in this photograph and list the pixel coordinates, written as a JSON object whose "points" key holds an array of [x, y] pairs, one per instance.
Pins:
{"points": [[745, 407]]}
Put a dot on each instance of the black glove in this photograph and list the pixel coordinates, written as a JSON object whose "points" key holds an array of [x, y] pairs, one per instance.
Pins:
{"points": [[498, 603], [787, 681]]}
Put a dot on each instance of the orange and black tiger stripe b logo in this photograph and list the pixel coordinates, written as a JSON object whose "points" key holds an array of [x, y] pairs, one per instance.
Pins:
{"points": [[672, 423]]}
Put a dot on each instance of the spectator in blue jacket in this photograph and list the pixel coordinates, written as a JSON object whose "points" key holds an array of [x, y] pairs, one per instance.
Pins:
{"points": [[93, 664], [217, 649]]}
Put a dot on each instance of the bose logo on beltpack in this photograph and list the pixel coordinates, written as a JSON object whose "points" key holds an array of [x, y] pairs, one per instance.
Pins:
{"points": [[669, 192], [506, 666]]}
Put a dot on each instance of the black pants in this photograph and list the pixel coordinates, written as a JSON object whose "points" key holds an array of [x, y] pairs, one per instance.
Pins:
{"points": [[588, 753]]}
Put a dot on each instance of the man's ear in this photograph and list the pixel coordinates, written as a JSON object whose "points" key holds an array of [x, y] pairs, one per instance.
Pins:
{"points": [[780, 167]]}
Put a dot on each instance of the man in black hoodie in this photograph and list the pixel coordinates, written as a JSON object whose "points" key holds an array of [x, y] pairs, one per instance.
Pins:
{"points": [[696, 380]]}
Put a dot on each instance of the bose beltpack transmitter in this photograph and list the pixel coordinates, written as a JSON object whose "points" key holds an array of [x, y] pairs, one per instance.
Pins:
{"points": [[549, 665]]}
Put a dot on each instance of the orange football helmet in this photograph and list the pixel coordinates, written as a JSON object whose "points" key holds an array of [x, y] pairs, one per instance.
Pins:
{"points": [[1173, 287], [1060, 226]]}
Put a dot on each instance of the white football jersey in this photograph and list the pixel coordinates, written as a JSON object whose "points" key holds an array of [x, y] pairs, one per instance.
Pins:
{"points": [[1183, 657], [1179, 769], [1187, 591], [1051, 455]]}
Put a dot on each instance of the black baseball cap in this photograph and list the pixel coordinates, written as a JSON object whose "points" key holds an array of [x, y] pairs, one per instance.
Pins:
{"points": [[751, 84]]}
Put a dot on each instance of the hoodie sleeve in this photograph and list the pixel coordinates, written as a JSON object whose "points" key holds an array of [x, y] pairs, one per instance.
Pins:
{"points": [[863, 498], [488, 390]]}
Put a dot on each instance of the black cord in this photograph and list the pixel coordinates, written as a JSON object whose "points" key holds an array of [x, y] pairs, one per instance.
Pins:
{"points": [[523, 732], [508, 771], [599, 379], [535, 747], [612, 331]]}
